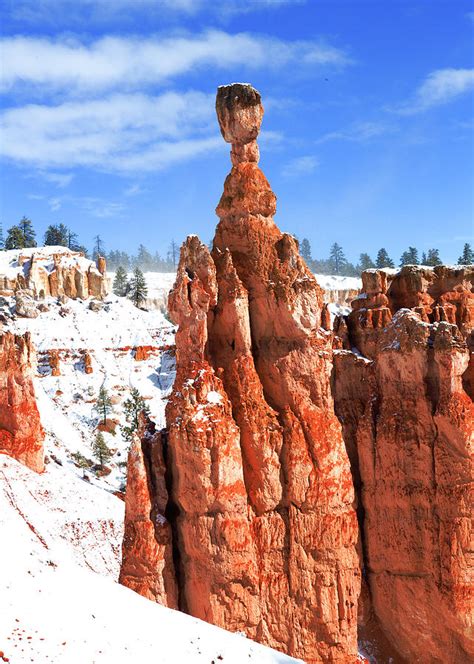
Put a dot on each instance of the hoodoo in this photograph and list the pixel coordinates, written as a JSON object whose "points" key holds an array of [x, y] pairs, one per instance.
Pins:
{"points": [[260, 490], [21, 433]]}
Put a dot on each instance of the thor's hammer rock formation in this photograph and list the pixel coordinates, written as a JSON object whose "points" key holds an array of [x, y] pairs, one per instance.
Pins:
{"points": [[260, 490]]}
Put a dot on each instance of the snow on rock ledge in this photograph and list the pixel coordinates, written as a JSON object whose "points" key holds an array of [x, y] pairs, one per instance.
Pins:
{"points": [[52, 271]]}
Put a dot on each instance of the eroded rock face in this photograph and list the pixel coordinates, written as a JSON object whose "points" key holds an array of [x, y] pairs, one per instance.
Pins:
{"points": [[408, 425], [265, 526], [54, 271], [147, 561], [21, 433]]}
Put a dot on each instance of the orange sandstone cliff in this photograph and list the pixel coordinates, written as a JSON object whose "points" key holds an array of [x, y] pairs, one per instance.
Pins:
{"points": [[21, 433]]}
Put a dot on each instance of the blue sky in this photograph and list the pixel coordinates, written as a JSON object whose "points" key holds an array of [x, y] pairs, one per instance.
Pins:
{"points": [[108, 120]]}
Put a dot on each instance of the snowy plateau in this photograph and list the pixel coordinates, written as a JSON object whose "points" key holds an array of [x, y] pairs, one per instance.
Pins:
{"points": [[61, 531]]}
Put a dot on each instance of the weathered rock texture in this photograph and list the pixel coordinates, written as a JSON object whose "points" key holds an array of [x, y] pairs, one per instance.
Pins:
{"points": [[21, 433], [55, 271], [408, 426], [241, 512], [264, 528]]}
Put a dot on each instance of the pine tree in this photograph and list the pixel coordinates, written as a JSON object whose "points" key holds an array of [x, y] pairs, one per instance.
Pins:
{"points": [[56, 235], [337, 260], [173, 253], [103, 404], [424, 259], [467, 256], [99, 248], [365, 262], [138, 290], [383, 259], [305, 251], [100, 449], [432, 258], [144, 259], [71, 241], [15, 238], [133, 407], [120, 285], [2, 240], [409, 257], [29, 235]]}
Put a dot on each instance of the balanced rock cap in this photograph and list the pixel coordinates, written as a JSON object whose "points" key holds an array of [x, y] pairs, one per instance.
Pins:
{"points": [[239, 112]]}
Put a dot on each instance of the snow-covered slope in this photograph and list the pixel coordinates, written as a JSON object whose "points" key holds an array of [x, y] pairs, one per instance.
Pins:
{"points": [[66, 402], [56, 533]]}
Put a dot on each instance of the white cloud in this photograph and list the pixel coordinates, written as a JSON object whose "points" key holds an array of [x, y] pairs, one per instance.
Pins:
{"points": [[54, 204], [300, 166], [120, 133], [59, 179], [439, 87], [359, 132], [133, 190], [131, 63]]}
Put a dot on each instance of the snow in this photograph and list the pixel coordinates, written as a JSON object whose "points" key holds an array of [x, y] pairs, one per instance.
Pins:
{"points": [[336, 282], [66, 402], [57, 609], [214, 397], [11, 268]]}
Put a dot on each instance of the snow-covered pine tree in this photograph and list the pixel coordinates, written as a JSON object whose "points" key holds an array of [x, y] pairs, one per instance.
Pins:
{"points": [[383, 259], [467, 256], [138, 290], [100, 449], [120, 285]]}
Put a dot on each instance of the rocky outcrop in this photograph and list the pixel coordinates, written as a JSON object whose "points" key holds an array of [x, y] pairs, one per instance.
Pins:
{"points": [[147, 561], [52, 271], [264, 529], [408, 425], [21, 433], [437, 294]]}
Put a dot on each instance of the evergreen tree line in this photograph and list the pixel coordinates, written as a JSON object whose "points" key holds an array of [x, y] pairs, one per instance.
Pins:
{"points": [[337, 263], [23, 235]]}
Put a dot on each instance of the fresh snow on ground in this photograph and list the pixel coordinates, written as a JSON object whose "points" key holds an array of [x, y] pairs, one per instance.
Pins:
{"points": [[56, 534]]}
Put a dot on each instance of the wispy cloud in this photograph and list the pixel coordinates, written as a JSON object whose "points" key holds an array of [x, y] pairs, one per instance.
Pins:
{"points": [[131, 63], [54, 204], [300, 166], [59, 179], [439, 87], [359, 132], [133, 190], [120, 133]]}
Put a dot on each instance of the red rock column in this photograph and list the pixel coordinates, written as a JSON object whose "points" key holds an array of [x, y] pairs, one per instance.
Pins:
{"points": [[21, 433]]}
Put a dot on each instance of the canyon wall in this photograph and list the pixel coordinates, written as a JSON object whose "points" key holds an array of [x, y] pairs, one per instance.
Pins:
{"points": [[408, 419], [21, 433]]}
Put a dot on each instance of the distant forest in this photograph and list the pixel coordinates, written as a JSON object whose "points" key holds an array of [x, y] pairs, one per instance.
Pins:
{"points": [[23, 235]]}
